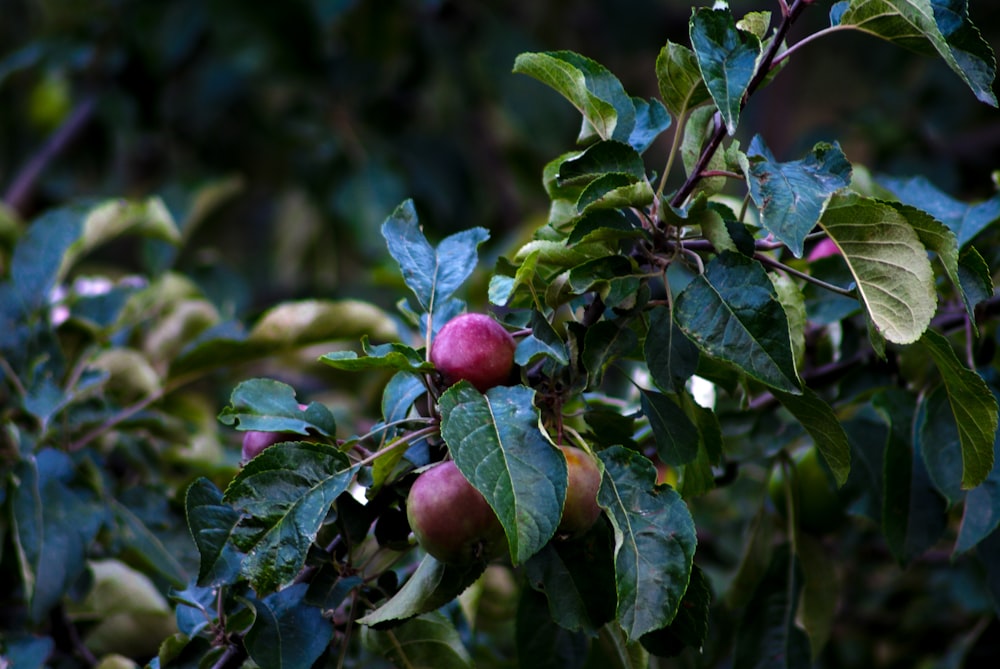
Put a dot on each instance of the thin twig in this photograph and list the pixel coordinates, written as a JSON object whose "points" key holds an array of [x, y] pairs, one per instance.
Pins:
{"points": [[19, 193]]}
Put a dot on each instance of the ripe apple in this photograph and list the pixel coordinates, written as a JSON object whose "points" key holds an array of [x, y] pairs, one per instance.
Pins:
{"points": [[476, 348], [580, 510], [451, 519], [820, 508]]}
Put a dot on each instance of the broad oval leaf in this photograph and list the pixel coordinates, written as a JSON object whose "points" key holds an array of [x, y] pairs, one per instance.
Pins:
{"points": [[433, 274], [671, 357], [676, 436], [270, 406], [679, 79], [588, 85], [732, 312], [496, 442], [286, 632], [888, 262], [727, 58], [431, 586], [283, 495], [211, 523], [791, 195], [429, 641], [965, 220], [974, 406], [927, 26], [654, 541]]}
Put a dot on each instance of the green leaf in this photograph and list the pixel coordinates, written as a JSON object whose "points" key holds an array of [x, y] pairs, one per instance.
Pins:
{"points": [[497, 444], [670, 356], [913, 512], [689, 629], [267, 405], [147, 547], [981, 516], [615, 191], [284, 494], [965, 220], [654, 541], [588, 85], [605, 157], [679, 79], [303, 322], [927, 26], [286, 633], [767, 636], [542, 643], [543, 342], [605, 342], [53, 525], [732, 313], [818, 599], [35, 264], [974, 278], [819, 420], [429, 641], [651, 119], [433, 274], [974, 407], [211, 523], [699, 127], [939, 444], [676, 436], [431, 586], [888, 262], [577, 578], [392, 356], [727, 58], [114, 218], [791, 195]]}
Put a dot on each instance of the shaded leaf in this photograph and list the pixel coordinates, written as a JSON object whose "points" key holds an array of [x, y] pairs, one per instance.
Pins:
{"points": [[965, 220], [819, 420], [267, 405], [791, 195], [727, 58], [679, 79], [542, 342], [818, 599], [211, 523], [974, 407], [676, 436], [604, 342], [588, 85], [393, 356], [927, 26], [732, 312], [651, 119], [429, 641], [431, 586], [689, 628], [283, 495], [670, 356], [654, 541], [577, 577], [981, 516], [543, 644], [497, 444], [287, 633], [768, 638]]}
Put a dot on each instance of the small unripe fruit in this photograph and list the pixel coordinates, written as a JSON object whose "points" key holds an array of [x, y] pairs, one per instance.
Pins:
{"points": [[580, 510], [474, 348], [452, 520]]}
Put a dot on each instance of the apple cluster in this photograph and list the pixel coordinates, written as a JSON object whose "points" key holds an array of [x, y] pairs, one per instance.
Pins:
{"points": [[450, 519]]}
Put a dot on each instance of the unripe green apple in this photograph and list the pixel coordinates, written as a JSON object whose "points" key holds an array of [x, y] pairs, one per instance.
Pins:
{"points": [[820, 508], [451, 519], [474, 348], [580, 510]]}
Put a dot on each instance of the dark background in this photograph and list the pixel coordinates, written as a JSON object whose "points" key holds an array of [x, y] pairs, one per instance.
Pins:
{"points": [[331, 112]]}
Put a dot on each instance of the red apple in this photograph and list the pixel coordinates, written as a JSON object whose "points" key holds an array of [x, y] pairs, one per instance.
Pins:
{"points": [[452, 520], [476, 348]]}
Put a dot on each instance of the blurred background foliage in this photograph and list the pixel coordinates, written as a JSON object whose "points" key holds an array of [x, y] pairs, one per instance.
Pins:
{"points": [[317, 117]]}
